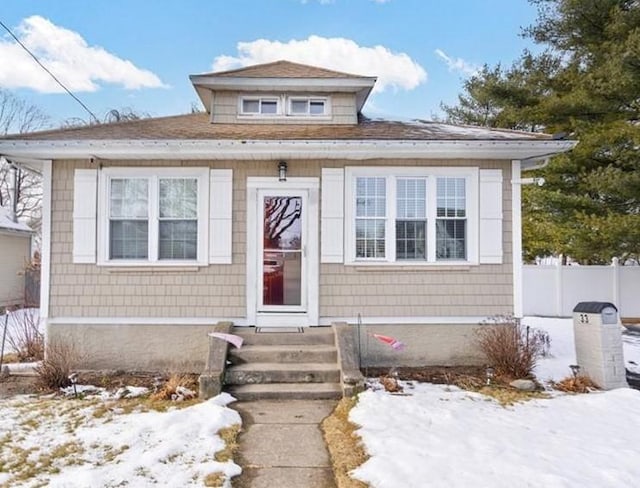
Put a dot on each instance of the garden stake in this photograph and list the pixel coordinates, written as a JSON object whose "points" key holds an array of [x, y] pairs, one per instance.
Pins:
{"points": [[4, 336]]}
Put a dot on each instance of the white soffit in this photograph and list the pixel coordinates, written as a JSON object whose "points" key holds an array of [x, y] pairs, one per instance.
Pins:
{"points": [[279, 149]]}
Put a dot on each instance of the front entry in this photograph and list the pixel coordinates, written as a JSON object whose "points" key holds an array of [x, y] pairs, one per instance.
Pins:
{"points": [[282, 252], [283, 249]]}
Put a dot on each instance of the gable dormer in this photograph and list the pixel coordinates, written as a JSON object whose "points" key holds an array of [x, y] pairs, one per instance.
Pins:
{"points": [[283, 92]]}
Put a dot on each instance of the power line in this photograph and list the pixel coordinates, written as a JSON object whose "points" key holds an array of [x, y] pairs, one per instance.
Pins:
{"points": [[49, 72]]}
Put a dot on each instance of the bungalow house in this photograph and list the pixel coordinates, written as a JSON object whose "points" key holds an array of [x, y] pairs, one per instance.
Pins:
{"points": [[15, 253], [279, 206]]}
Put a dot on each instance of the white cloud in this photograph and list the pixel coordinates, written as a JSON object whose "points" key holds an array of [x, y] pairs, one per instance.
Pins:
{"points": [[82, 68], [458, 64], [394, 70]]}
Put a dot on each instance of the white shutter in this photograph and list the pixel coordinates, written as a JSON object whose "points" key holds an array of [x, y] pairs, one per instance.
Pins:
{"points": [[332, 211], [84, 215], [491, 216], [220, 218]]}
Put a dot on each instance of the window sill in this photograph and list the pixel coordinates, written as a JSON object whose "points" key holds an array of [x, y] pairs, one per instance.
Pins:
{"points": [[284, 116], [141, 268], [409, 267]]}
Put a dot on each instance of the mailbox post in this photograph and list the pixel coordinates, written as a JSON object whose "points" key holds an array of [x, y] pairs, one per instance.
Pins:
{"points": [[598, 339]]}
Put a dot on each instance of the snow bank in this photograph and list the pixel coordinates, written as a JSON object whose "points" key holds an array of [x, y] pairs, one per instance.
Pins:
{"points": [[173, 448], [441, 436]]}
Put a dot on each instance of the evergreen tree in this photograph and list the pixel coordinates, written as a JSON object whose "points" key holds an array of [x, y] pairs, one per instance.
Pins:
{"points": [[585, 83]]}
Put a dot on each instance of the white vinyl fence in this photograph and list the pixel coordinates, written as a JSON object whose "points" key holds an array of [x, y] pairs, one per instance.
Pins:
{"points": [[554, 290]]}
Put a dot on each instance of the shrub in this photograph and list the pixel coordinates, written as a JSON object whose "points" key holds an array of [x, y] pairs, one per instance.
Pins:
{"points": [[511, 348], [54, 370], [24, 337], [576, 384], [177, 387]]}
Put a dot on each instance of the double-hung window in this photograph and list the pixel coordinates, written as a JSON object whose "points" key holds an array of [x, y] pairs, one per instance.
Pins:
{"points": [[411, 219], [370, 217], [451, 219], [154, 215], [412, 215]]}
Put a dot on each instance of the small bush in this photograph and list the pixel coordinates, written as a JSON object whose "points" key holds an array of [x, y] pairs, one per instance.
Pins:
{"points": [[54, 370], [576, 384], [178, 387], [511, 348], [25, 337]]}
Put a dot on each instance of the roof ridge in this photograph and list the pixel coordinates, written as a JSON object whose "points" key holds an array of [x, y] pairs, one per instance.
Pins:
{"points": [[283, 62]]}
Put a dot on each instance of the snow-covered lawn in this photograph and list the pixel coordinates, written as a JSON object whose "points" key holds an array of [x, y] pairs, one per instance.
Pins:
{"points": [[90, 443], [441, 436]]}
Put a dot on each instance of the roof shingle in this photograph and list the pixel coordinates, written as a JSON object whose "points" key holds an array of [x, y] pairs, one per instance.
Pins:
{"points": [[199, 127]]}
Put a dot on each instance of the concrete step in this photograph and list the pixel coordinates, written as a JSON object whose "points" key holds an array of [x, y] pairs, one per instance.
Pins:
{"points": [[301, 353], [309, 336], [252, 373], [286, 391]]}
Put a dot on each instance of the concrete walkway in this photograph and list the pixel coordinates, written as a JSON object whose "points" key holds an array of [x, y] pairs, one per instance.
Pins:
{"points": [[281, 444]]}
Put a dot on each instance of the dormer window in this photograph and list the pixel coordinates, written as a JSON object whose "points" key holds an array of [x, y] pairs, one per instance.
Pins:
{"points": [[260, 106], [307, 106]]}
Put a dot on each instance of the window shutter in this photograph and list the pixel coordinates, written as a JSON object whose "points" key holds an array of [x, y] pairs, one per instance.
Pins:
{"points": [[220, 218], [84, 215], [491, 216], [332, 211]]}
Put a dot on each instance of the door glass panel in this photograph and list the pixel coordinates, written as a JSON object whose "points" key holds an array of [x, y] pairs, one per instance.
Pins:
{"points": [[282, 251], [282, 273], [283, 223]]}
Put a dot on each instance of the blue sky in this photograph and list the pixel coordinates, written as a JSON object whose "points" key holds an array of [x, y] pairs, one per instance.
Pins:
{"points": [[139, 53]]}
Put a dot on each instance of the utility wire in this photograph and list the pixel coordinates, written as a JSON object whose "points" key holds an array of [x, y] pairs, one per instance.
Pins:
{"points": [[49, 72]]}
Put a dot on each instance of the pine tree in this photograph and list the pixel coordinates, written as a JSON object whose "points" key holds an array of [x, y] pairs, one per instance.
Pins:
{"points": [[585, 83]]}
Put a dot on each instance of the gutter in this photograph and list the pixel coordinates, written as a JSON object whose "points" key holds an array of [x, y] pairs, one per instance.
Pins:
{"points": [[530, 151]]}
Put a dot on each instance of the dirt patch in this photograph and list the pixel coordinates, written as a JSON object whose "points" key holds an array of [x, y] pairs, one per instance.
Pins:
{"points": [[440, 375]]}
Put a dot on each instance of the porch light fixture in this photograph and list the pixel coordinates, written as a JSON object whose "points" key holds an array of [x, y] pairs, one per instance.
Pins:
{"points": [[282, 171]]}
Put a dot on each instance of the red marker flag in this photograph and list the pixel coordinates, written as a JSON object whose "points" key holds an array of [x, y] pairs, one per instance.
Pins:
{"points": [[394, 343]]}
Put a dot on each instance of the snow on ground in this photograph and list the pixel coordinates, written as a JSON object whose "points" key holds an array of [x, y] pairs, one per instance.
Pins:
{"points": [[89, 443], [441, 436], [562, 353]]}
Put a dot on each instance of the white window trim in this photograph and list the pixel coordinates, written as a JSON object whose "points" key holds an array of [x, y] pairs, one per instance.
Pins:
{"points": [[471, 174], [267, 97], [284, 106], [309, 99], [153, 174]]}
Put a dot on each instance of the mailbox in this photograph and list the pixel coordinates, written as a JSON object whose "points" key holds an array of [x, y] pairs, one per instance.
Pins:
{"points": [[598, 339]]}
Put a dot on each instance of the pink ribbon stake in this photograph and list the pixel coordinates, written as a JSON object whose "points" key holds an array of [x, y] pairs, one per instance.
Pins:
{"points": [[230, 338], [390, 341]]}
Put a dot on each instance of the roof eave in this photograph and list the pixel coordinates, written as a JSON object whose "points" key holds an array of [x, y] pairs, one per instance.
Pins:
{"points": [[283, 149]]}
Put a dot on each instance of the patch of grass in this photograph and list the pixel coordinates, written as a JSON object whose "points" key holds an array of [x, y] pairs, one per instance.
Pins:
{"points": [[230, 437], [345, 447], [214, 480], [111, 453], [510, 396]]}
